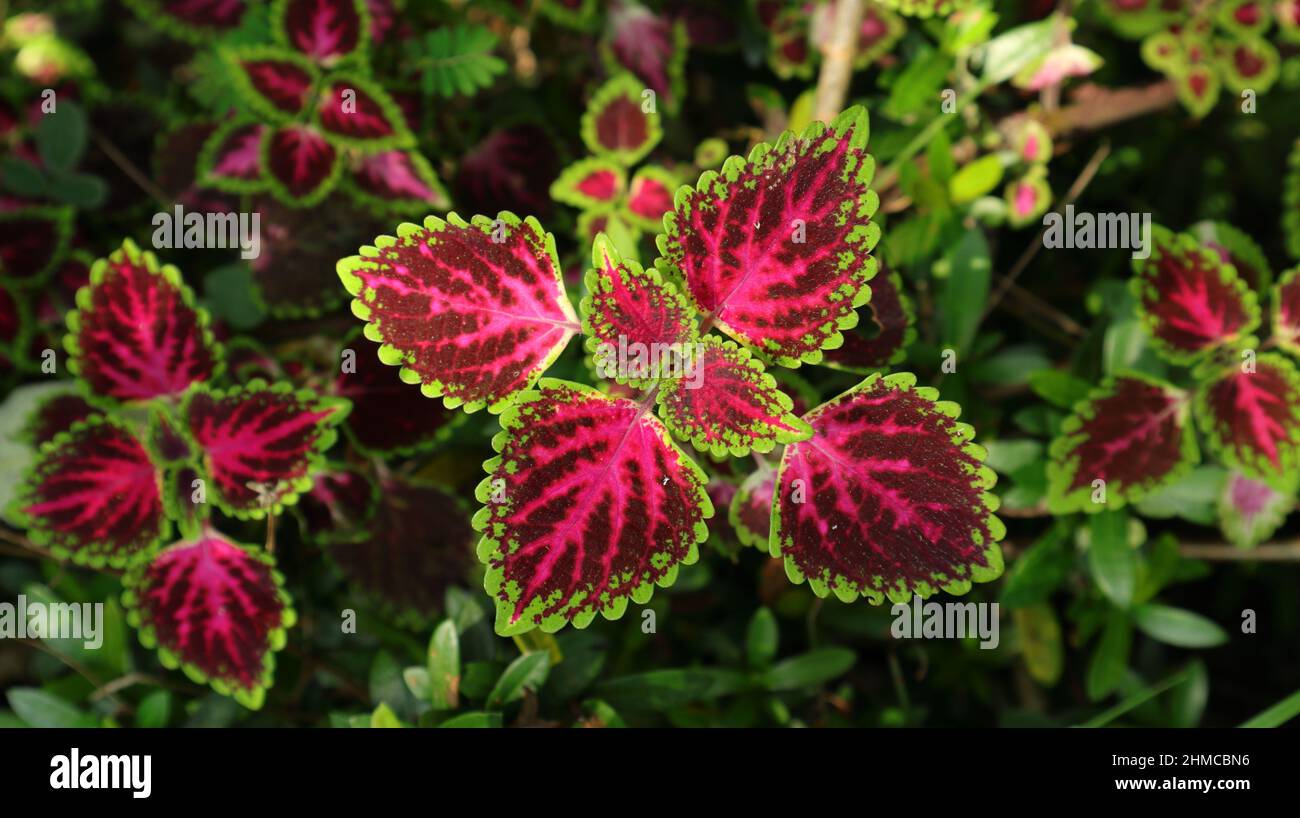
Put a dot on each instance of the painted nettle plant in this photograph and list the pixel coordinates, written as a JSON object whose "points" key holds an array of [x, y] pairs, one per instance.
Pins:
{"points": [[382, 363]]}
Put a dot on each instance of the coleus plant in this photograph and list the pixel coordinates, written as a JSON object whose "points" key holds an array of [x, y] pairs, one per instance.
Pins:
{"points": [[798, 33], [1199, 300], [1205, 47], [590, 502], [311, 118], [150, 445], [620, 128]]}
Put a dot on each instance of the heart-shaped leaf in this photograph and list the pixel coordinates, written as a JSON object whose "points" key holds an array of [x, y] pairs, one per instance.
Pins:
{"points": [[418, 544], [883, 340], [589, 505], [136, 334], [1251, 510], [726, 403], [1191, 301], [302, 166], [196, 21], [616, 126], [260, 443], [33, 240], [325, 30], [231, 159], [473, 311], [215, 609], [1133, 435], [93, 495], [395, 183], [1251, 416], [356, 112], [1286, 311], [637, 324], [589, 183], [650, 196], [750, 512], [889, 498], [273, 82], [774, 250], [388, 417]]}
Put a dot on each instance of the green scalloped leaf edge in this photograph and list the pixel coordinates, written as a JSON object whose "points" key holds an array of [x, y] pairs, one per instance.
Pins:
{"points": [[763, 446], [1080, 500], [172, 277], [393, 357], [15, 514], [963, 437], [487, 546], [328, 435], [276, 638], [855, 119]]}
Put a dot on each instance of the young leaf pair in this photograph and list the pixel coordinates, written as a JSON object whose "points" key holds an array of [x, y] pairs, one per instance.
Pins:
{"points": [[619, 129], [145, 449], [1135, 434]]}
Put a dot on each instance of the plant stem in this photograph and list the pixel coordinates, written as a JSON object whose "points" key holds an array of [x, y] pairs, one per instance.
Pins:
{"points": [[837, 60]]}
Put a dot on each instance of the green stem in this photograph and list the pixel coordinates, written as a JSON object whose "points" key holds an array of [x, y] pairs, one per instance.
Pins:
{"points": [[1138, 699], [537, 640]]}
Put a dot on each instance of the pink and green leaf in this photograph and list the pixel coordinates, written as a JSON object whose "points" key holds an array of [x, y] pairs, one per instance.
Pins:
{"points": [[356, 112], [1250, 511], [750, 512], [1251, 419], [215, 609], [275, 83], [231, 158], [1286, 311], [325, 30], [418, 543], [889, 498], [1250, 64], [588, 506], [627, 305], [775, 249], [1190, 301], [195, 21], [1248, 18], [93, 495], [616, 127], [727, 404], [590, 183], [474, 312], [1197, 87], [650, 196], [136, 333], [388, 416], [1134, 434], [883, 340], [395, 183], [260, 443], [302, 167]]}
